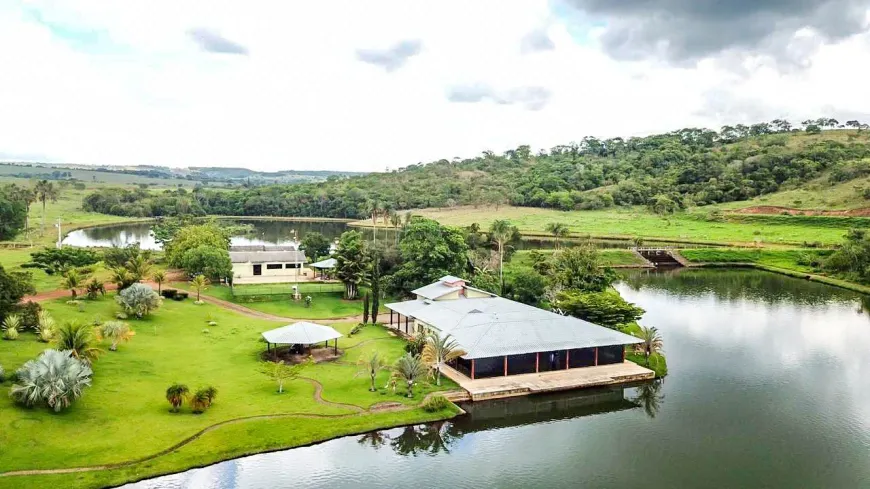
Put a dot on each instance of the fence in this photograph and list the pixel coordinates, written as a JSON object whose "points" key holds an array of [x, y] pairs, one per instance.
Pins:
{"points": [[268, 291]]}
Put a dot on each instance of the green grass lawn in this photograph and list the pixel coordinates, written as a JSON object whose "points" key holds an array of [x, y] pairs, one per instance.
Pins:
{"points": [[691, 226], [610, 257], [324, 305], [124, 416], [793, 259]]}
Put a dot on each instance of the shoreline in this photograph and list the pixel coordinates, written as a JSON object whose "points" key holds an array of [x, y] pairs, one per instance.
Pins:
{"points": [[30, 477]]}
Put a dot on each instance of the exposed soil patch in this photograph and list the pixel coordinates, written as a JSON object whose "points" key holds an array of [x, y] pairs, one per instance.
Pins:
{"points": [[774, 209], [292, 357]]}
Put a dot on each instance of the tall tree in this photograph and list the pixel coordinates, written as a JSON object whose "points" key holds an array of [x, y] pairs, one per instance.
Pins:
{"points": [[46, 191], [200, 283], [559, 231], [13, 212], [315, 245], [429, 251], [350, 265], [500, 232]]}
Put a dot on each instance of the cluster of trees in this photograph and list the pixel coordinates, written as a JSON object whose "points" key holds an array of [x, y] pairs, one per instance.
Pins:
{"points": [[664, 171], [199, 249]]}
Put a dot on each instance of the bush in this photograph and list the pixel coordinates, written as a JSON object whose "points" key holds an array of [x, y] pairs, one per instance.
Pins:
{"points": [[54, 260], [202, 399], [138, 299], [55, 379], [169, 293], [415, 344], [29, 312], [181, 295], [434, 403], [10, 327]]}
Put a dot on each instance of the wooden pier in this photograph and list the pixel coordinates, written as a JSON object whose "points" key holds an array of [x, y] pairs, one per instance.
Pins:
{"points": [[557, 380]]}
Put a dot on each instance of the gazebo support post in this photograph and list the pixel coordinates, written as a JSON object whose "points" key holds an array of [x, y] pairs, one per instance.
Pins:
{"points": [[336, 346]]}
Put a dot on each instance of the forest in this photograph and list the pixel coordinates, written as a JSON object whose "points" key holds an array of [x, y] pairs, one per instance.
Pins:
{"points": [[666, 172]]}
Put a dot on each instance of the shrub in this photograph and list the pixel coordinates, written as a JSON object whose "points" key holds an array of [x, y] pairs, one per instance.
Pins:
{"points": [[29, 312], [434, 403], [10, 327], [55, 379], [415, 344], [202, 399], [46, 327], [181, 295], [138, 299], [116, 332], [169, 293], [54, 260]]}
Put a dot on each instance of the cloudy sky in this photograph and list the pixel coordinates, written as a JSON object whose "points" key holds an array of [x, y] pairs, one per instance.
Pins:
{"points": [[381, 84]]}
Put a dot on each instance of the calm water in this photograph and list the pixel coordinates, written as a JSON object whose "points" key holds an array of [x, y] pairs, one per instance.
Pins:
{"points": [[272, 232], [769, 386]]}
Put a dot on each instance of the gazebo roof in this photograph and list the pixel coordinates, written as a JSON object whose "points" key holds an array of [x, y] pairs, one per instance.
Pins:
{"points": [[328, 263], [302, 333]]}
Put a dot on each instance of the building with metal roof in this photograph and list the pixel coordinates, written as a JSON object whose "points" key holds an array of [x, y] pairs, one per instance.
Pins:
{"points": [[269, 266], [504, 337]]}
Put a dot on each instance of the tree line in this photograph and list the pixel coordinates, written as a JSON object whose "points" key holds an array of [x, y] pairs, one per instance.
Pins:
{"points": [[666, 171]]}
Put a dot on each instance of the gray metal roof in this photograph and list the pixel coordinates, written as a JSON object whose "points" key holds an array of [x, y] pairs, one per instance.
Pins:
{"points": [[495, 326], [328, 263], [267, 256], [302, 333], [263, 248], [434, 291]]}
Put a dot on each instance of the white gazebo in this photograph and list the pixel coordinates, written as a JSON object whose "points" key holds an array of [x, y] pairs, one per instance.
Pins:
{"points": [[324, 266], [301, 333]]}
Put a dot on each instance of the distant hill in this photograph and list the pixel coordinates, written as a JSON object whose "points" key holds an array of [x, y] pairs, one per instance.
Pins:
{"points": [[150, 174]]}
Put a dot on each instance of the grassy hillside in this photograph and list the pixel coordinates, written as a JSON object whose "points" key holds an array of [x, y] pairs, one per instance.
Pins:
{"points": [[693, 226]]}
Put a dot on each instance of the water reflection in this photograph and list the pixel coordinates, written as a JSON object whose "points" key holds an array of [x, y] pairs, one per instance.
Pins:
{"points": [[767, 388]]}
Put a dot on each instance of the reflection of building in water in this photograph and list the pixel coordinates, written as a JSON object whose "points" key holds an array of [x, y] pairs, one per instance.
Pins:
{"points": [[501, 413]]}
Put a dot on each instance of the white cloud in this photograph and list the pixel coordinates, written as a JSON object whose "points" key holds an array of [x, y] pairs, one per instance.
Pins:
{"points": [[126, 84]]}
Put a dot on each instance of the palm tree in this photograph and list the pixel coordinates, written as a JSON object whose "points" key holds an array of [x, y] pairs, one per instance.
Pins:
{"points": [[55, 378], [501, 232], [409, 368], [373, 207], [116, 332], [652, 342], [408, 218], [438, 351], [159, 278], [95, 287], [79, 339], [202, 399], [10, 326], [199, 283], [396, 221], [559, 231], [72, 281], [371, 365], [46, 191], [122, 278], [176, 394], [374, 439], [139, 267]]}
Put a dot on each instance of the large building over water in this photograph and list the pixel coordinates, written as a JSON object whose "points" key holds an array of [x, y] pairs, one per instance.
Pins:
{"points": [[502, 337]]}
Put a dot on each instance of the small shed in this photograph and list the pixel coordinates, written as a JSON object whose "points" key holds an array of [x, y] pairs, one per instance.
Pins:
{"points": [[301, 333], [324, 266]]}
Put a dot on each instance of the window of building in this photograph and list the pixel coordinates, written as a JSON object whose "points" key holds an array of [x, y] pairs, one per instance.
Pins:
{"points": [[273, 266], [290, 265]]}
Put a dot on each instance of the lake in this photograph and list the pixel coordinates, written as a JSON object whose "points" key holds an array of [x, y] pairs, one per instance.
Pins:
{"points": [[768, 387], [277, 233]]}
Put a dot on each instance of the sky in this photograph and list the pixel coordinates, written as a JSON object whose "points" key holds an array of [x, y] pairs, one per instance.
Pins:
{"points": [[375, 85]]}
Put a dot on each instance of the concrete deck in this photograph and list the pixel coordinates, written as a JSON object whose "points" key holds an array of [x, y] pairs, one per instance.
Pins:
{"points": [[557, 380]]}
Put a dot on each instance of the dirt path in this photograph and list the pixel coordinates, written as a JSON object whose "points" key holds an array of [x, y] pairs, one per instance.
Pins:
{"points": [[246, 311]]}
